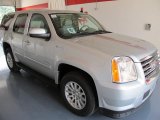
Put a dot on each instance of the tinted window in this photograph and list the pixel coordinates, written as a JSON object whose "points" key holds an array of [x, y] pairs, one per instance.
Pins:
{"points": [[38, 21], [19, 25]]}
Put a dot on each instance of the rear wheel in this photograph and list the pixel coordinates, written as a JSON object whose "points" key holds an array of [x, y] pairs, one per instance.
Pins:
{"points": [[77, 94], [11, 61]]}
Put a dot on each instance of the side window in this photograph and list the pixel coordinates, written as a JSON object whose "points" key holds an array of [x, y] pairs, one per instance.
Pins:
{"points": [[20, 22], [39, 21], [7, 19]]}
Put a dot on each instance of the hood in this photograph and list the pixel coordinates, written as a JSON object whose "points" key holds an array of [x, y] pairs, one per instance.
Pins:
{"points": [[117, 45]]}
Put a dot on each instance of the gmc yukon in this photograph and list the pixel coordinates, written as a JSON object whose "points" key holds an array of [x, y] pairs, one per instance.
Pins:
{"points": [[95, 68]]}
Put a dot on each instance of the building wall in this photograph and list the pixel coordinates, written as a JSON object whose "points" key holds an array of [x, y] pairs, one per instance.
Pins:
{"points": [[26, 3], [56, 4], [32, 4], [7, 3], [41, 4]]}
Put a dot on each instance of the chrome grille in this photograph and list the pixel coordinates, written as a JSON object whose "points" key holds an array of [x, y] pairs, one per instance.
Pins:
{"points": [[150, 65]]}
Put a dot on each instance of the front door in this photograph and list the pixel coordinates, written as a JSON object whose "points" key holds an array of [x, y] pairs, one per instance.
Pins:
{"points": [[37, 50]]}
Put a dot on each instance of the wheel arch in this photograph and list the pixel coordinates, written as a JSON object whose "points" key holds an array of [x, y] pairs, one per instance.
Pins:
{"points": [[64, 68], [5, 46]]}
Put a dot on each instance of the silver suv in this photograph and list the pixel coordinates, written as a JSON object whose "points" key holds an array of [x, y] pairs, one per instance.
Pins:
{"points": [[93, 67]]}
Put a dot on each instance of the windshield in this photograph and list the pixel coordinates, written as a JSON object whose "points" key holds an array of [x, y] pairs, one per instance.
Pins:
{"points": [[70, 25]]}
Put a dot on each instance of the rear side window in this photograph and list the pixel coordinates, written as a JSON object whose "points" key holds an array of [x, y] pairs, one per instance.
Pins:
{"points": [[19, 24], [7, 19]]}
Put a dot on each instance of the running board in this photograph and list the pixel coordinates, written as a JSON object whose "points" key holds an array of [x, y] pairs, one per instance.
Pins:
{"points": [[48, 81]]}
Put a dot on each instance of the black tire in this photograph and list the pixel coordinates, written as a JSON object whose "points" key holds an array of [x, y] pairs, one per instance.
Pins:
{"points": [[80, 80], [14, 67]]}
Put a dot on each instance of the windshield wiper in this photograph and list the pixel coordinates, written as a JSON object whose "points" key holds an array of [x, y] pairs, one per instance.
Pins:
{"points": [[95, 32], [100, 32], [87, 33]]}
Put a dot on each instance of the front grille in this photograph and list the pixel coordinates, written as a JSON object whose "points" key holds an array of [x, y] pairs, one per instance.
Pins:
{"points": [[150, 65]]}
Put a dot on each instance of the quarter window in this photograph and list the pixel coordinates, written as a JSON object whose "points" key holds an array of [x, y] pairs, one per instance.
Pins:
{"points": [[7, 19], [20, 22]]}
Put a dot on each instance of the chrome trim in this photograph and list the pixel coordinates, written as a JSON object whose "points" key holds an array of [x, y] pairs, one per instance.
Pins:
{"points": [[148, 57], [150, 65]]}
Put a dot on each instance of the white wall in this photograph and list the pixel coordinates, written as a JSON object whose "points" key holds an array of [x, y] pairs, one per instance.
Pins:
{"points": [[57, 4], [52, 4], [7, 2], [18, 3], [128, 17], [26, 3]]}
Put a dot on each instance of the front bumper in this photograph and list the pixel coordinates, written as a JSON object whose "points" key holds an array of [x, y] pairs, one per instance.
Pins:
{"points": [[123, 99], [117, 114]]}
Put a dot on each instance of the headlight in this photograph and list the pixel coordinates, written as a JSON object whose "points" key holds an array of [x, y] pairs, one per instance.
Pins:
{"points": [[123, 70]]}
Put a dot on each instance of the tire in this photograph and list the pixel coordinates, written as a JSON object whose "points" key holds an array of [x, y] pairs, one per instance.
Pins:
{"points": [[86, 98], [11, 61]]}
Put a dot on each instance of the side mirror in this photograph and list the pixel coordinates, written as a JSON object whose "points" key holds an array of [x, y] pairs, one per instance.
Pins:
{"points": [[39, 33]]}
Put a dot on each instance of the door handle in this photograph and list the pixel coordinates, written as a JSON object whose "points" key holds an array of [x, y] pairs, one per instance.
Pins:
{"points": [[27, 42]]}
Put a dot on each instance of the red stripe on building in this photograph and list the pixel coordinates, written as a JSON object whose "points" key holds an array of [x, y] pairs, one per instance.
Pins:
{"points": [[74, 2], [40, 6]]}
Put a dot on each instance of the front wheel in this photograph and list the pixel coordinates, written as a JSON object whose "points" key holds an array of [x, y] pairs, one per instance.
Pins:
{"points": [[11, 61], [77, 94]]}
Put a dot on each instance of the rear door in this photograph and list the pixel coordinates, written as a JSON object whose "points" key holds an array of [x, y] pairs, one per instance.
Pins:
{"points": [[18, 35]]}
